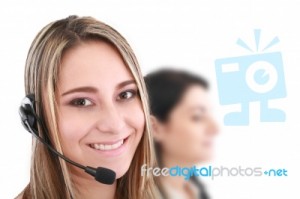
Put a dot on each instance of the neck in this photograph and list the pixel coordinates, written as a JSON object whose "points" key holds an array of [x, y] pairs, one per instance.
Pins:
{"points": [[169, 160], [176, 182], [87, 187]]}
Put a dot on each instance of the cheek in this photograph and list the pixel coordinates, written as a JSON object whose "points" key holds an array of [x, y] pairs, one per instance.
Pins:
{"points": [[185, 138], [72, 128], [175, 139], [198, 147], [196, 133], [136, 120]]}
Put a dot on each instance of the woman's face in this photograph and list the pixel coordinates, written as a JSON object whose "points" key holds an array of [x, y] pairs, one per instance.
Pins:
{"points": [[101, 119], [188, 133]]}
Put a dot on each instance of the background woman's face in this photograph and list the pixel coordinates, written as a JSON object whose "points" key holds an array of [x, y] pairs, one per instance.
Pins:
{"points": [[189, 131], [101, 119]]}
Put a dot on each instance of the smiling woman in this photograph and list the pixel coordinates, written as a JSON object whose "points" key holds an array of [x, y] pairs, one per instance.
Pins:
{"points": [[90, 95]]}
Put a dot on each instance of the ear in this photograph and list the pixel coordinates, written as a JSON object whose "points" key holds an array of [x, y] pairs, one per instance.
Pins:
{"points": [[156, 128]]}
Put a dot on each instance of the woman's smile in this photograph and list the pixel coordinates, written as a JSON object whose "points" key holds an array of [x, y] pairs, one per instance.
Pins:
{"points": [[110, 148]]}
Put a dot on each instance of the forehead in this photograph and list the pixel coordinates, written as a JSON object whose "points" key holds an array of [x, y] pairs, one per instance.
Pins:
{"points": [[92, 62], [195, 97]]}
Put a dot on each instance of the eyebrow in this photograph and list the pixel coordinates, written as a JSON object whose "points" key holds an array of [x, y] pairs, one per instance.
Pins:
{"points": [[201, 108], [91, 89]]}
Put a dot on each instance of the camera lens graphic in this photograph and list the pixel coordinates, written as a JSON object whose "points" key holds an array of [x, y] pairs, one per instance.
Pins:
{"points": [[261, 77]]}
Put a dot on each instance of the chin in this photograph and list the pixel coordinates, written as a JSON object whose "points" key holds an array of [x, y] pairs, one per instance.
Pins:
{"points": [[204, 157], [120, 169], [120, 174]]}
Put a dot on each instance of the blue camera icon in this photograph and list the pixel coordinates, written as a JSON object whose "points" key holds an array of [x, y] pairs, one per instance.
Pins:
{"points": [[245, 79]]}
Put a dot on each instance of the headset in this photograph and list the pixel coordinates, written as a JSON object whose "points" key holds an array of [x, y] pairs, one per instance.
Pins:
{"points": [[31, 120]]}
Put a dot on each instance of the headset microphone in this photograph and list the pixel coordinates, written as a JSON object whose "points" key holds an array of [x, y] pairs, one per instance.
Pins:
{"points": [[30, 121]]}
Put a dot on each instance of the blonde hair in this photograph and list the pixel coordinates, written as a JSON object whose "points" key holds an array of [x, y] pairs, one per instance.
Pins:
{"points": [[49, 175]]}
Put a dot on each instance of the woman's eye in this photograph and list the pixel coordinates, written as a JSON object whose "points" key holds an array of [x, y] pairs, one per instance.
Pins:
{"points": [[81, 102], [127, 95], [197, 118]]}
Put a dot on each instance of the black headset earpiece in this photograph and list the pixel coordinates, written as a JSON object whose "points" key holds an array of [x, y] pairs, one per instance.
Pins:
{"points": [[27, 112]]}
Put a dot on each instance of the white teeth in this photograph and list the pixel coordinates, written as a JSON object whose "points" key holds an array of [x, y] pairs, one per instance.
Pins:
{"points": [[101, 146], [107, 147]]}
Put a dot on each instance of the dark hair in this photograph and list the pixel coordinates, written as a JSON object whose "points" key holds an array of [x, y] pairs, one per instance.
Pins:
{"points": [[166, 88]]}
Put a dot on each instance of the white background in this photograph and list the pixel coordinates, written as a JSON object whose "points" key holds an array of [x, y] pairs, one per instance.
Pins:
{"points": [[187, 34]]}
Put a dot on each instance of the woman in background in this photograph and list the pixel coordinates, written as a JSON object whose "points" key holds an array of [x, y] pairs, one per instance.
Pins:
{"points": [[91, 97], [183, 127]]}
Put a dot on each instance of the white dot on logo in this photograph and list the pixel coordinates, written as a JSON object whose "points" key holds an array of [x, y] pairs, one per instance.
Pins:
{"points": [[269, 72]]}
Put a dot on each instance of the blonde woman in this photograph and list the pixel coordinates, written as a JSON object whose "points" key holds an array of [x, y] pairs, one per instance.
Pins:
{"points": [[91, 98]]}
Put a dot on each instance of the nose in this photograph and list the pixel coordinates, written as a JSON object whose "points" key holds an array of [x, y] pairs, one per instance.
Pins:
{"points": [[111, 120]]}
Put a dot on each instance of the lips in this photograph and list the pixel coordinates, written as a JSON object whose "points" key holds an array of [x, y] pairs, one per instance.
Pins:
{"points": [[108, 146]]}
